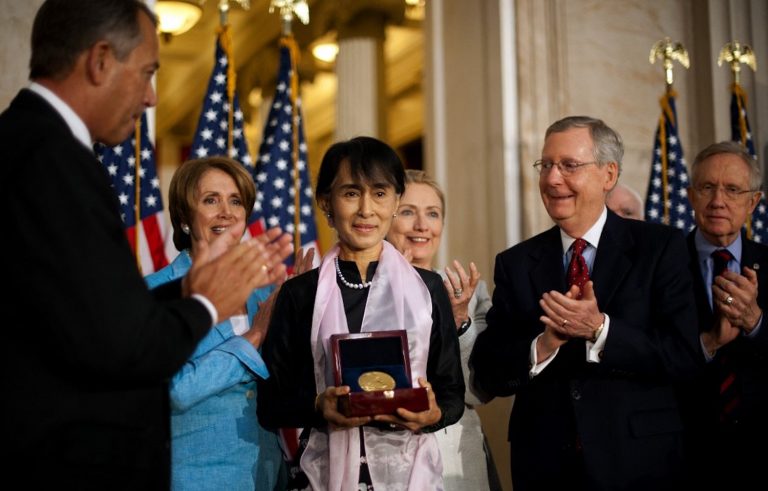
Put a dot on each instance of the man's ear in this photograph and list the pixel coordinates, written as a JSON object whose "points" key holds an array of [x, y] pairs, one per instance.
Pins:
{"points": [[612, 175], [99, 62]]}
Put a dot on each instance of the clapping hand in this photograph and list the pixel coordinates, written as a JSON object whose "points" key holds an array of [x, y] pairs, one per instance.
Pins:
{"points": [[460, 287]]}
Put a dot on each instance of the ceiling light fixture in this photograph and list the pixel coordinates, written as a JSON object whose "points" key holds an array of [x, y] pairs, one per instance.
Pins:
{"points": [[177, 16], [326, 52]]}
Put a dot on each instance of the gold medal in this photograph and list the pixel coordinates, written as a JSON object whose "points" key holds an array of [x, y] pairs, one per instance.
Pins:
{"points": [[374, 380]]}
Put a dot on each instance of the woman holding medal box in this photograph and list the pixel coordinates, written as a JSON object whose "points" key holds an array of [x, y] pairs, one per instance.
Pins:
{"points": [[363, 285]]}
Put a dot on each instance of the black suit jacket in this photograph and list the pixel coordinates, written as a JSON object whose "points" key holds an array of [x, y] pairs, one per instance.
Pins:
{"points": [[620, 415], [87, 349], [729, 444]]}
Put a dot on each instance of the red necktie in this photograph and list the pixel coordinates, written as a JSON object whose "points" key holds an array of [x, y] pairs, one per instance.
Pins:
{"points": [[578, 272], [729, 393], [720, 257]]}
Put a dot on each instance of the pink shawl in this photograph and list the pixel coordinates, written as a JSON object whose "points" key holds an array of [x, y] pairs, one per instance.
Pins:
{"points": [[402, 460]]}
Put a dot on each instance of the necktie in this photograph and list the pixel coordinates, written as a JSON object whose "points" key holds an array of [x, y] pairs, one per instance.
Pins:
{"points": [[720, 258], [578, 272], [729, 393]]}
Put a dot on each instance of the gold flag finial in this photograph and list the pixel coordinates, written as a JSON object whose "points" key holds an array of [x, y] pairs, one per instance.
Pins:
{"points": [[667, 51], [224, 9], [735, 54], [289, 8]]}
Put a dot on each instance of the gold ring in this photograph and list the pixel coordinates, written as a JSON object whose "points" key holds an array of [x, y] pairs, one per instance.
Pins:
{"points": [[729, 300], [565, 321]]}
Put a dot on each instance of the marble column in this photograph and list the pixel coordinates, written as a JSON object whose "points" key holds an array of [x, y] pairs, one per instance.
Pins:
{"points": [[361, 97]]}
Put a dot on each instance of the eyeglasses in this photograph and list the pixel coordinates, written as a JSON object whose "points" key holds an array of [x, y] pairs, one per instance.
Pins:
{"points": [[566, 167], [729, 192]]}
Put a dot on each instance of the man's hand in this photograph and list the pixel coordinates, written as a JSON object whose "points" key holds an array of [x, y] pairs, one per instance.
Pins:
{"points": [[228, 279], [571, 318], [742, 311], [722, 333]]}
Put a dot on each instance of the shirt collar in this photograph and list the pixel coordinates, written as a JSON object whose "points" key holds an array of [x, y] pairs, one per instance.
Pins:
{"points": [[706, 248], [592, 236], [75, 124]]}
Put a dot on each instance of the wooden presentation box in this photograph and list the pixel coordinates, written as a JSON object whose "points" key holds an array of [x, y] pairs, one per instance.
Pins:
{"points": [[355, 355]]}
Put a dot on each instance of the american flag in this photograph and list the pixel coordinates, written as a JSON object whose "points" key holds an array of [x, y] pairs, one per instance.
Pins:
{"points": [[667, 198], [212, 137], [273, 174], [282, 155], [740, 132], [121, 164]]}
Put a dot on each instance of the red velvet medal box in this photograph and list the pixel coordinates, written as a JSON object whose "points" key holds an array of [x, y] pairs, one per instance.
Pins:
{"points": [[381, 351]]}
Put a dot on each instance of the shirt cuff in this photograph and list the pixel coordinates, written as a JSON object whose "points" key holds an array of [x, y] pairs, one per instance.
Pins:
{"points": [[594, 349], [536, 367], [707, 357], [755, 330], [208, 306]]}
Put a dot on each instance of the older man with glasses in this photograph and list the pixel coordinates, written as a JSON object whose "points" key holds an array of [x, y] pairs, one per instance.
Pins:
{"points": [[726, 410], [591, 323]]}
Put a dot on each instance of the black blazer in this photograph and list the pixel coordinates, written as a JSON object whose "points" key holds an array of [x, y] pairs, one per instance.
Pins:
{"points": [[87, 349], [747, 359], [621, 414]]}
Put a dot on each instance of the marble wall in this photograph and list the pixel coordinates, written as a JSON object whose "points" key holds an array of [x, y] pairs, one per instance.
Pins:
{"points": [[16, 21]]}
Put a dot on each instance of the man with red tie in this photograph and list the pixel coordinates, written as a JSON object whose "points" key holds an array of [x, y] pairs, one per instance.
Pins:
{"points": [[592, 323], [726, 409]]}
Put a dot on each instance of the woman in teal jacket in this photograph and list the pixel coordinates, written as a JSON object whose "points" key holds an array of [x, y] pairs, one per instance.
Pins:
{"points": [[217, 442]]}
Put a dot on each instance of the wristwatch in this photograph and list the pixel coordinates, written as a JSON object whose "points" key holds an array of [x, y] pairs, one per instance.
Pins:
{"points": [[464, 326], [596, 333]]}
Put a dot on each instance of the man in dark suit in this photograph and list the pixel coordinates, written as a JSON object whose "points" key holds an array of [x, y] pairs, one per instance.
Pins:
{"points": [[726, 410], [592, 364], [87, 349]]}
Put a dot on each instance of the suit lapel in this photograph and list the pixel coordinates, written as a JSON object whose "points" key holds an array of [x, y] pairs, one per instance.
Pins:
{"points": [[613, 259], [750, 256], [547, 272], [706, 316]]}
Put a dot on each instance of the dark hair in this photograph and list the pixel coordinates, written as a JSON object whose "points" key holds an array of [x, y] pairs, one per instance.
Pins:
{"points": [[182, 192], [605, 140], [63, 29], [732, 148], [369, 160]]}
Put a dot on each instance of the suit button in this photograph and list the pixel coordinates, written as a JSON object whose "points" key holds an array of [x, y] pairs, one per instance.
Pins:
{"points": [[576, 394], [249, 394]]}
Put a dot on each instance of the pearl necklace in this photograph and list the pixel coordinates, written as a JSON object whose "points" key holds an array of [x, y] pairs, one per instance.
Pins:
{"points": [[356, 286]]}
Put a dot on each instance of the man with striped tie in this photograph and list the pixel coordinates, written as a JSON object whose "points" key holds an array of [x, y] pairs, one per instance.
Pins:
{"points": [[726, 410]]}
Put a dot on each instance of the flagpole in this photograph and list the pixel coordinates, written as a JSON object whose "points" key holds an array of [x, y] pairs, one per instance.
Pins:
{"points": [[667, 51], [289, 8], [294, 50], [735, 54], [225, 39], [137, 197]]}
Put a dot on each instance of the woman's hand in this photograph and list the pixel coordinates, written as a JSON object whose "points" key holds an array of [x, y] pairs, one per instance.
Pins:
{"points": [[460, 288], [303, 262], [326, 404], [415, 421], [258, 331]]}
